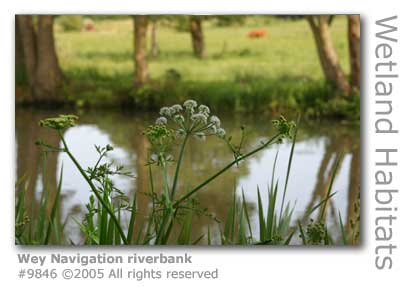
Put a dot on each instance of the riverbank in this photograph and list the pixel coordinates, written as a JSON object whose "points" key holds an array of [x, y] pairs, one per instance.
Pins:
{"points": [[280, 71]]}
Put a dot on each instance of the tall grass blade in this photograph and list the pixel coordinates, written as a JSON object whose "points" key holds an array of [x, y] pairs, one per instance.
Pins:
{"points": [[272, 198], [117, 235], [84, 229], [341, 225], [334, 173], [186, 231], [209, 238], [242, 227], [131, 225], [20, 202], [290, 160], [196, 241], [52, 219], [304, 241], [288, 240], [42, 216], [223, 240], [230, 221], [273, 174], [327, 237], [246, 213], [103, 224], [110, 233], [166, 220], [262, 223], [320, 203]]}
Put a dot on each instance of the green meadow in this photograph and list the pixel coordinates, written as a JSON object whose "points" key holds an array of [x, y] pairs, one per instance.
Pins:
{"points": [[279, 71]]}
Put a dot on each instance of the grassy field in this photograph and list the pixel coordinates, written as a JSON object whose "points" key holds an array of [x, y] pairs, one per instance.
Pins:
{"points": [[280, 70]]}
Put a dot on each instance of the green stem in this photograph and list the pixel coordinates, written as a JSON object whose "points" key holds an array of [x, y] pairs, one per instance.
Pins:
{"points": [[96, 164], [290, 160], [175, 179], [167, 234], [94, 189], [164, 175], [228, 166]]}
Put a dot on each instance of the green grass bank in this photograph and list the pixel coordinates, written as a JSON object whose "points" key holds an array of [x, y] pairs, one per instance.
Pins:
{"points": [[279, 71]]}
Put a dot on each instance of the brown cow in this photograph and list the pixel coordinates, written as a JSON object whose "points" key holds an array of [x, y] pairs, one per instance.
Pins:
{"points": [[257, 33]]}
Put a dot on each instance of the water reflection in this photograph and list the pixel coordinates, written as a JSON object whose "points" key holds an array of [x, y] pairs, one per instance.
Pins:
{"points": [[317, 148]]}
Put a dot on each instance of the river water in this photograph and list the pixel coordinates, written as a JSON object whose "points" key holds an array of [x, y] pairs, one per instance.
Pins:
{"points": [[318, 145]]}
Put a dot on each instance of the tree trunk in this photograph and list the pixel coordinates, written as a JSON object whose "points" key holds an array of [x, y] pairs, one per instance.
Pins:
{"points": [[154, 42], [195, 25], [327, 54], [19, 53], [141, 65], [354, 41], [20, 75], [48, 75], [25, 30]]}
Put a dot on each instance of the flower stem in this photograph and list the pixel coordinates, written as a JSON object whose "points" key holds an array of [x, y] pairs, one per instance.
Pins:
{"points": [[176, 177], [94, 189], [228, 166], [164, 175]]}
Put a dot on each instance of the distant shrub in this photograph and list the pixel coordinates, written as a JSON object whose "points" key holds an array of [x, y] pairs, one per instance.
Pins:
{"points": [[244, 76], [173, 75], [108, 17], [290, 17], [70, 22], [230, 20], [181, 24]]}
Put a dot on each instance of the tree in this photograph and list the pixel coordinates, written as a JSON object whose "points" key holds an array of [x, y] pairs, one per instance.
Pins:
{"points": [[328, 56], [48, 76], [39, 57], [154, 41], [354, 42], [198, 42], [141, 64], [25, 31]]}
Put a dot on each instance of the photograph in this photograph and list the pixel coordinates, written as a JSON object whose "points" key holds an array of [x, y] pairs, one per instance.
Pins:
{"points": [[195, 130]]}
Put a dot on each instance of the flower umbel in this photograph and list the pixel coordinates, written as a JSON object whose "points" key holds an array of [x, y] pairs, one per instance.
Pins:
{"points": [[315, 232], [191, 119], [190, 104], [284, 127], [199, 118], [61, 122], [160, 137], [161, 121]]}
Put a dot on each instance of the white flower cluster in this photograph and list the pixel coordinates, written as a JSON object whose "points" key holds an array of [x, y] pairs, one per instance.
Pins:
{"points": [[191, 119], [161, 121]]}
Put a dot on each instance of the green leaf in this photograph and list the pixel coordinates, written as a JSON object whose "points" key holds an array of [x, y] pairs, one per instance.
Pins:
{"points": [[262, 223], [131, 225], [290, 160], [341, 226], [334, 173], [186, 231], [304, 241], [246, 213], [54, 208]]}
